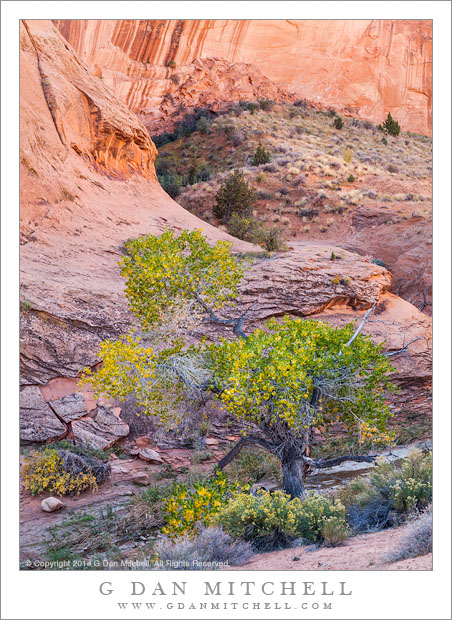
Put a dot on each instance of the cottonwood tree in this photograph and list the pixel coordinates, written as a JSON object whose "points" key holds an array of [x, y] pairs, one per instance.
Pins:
{"points": [[280, 381]]}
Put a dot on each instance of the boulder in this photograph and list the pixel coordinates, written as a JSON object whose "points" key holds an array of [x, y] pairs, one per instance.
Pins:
{"points": [[147, 454], [37, 420], [101, 431], [142, 479], [69, 407], [51, 504], [143, 442]]}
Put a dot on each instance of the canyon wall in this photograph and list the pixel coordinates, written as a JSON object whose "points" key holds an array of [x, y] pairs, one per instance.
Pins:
{"points": [[364, 68]]}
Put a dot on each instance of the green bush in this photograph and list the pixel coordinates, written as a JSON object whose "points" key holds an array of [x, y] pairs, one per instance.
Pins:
{"points": [[273, 520], [266, 104], [171, 183], [390, 126], [241, 227], [338, 123], [234, 196], [261, 156], [203, 125], [390, 491], [409, 484], [351, 179], [271, 239]]}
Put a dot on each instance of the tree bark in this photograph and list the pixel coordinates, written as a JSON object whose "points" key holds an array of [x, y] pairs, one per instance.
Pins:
{"points": [[293, 476]]}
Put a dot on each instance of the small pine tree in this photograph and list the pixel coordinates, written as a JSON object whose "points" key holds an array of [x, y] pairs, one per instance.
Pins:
{"points": [[338, 123], [203, 125], [261, 156], [390, 126], [234, 196]]}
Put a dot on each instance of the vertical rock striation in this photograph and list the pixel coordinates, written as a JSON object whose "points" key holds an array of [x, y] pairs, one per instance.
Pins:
{"points": [[363, 67]]}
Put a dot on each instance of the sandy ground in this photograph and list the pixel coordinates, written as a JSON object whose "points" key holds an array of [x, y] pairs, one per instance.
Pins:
{"points": [[364, 552]]}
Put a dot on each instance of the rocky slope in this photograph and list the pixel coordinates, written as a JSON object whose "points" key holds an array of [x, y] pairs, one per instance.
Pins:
{"points": [[364, 67], [87, 185]]}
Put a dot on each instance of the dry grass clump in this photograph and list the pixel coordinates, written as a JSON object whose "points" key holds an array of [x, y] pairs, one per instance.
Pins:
{"points": [[211, 548], [417, 540]]}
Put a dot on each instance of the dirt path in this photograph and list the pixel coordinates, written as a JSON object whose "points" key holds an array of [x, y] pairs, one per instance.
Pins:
{"points": [[364, 552]]}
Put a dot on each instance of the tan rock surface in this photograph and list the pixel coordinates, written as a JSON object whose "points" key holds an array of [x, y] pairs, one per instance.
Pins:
{"points": [[100, 431], [37, 420], [365, 67]]}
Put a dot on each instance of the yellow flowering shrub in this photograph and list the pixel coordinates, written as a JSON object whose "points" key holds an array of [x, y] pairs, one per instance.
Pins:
{"points": [[187, 507], [409, 484], [276, 518], [44, 473], [270, 377]]}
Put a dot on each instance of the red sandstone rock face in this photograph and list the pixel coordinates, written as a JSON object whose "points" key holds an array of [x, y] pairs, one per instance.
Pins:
{"points": [[364, 67], [87, 185]]}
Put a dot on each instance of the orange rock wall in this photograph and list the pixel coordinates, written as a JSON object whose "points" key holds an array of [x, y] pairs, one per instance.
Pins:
{"points": [[363, 67]]}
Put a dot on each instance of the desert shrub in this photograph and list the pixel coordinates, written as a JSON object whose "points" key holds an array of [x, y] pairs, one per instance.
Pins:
{"points": [[322, 516], [210, 548], [274, 521], [253, 465], [266, 104], [334, 530], [163, 139], [351, 178], [308, 212], [409, 484], [379, 262], [271, 239], [241, 227], [263, 194], [338, 123], [261, 156], [171, 183], [61, 473], [384, 141], [203, 125], [237, 138], [348, 154], [376, 514], [186, 507], [390, 126], [392, 169], [417, 540], [376, 501], [234, 196]]}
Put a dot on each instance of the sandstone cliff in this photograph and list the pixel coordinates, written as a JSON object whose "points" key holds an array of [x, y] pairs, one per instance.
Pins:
{"points": [[365, 68]]}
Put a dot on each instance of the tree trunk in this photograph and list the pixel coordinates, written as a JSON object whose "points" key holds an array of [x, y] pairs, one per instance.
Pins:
{"points": [[293, 476]]}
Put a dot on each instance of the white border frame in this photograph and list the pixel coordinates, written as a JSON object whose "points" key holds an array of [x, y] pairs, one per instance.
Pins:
{"points": [[376, 595]]}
